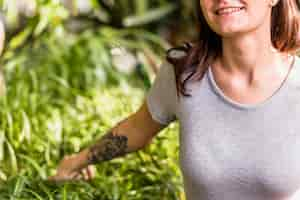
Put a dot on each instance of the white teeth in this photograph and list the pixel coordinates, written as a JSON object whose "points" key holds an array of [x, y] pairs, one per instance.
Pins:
{"points": [[228, 10]]}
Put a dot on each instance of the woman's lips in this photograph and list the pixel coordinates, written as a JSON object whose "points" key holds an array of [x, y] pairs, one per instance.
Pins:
{"points": [[228, 10]]}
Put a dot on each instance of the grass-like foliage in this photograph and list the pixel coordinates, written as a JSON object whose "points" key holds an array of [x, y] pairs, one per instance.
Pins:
{"points": [[62, 93]]}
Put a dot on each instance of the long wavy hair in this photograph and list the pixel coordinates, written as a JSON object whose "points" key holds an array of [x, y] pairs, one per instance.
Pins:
{"points": [[198, 55]]}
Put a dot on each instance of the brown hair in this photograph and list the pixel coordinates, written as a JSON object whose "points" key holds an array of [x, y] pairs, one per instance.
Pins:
{"points": [[285, 36]]}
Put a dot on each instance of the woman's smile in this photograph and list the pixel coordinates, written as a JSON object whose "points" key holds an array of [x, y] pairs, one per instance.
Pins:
{"points": [[229, 11]]}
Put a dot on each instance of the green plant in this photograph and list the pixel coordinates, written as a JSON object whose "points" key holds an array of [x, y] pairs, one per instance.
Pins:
{"points": [[62, 93]]}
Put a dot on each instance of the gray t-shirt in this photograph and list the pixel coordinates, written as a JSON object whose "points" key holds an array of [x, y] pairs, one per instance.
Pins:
{"points": [[228, 150]]}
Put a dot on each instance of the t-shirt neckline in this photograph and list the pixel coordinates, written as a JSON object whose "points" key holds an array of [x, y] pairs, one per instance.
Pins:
{"points": [[243, 106]]}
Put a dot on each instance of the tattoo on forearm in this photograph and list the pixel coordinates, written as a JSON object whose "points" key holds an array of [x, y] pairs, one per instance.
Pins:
{"points": [[107, 148]]}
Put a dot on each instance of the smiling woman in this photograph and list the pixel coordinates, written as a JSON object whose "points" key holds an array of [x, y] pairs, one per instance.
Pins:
{"points": [[239, 121]]}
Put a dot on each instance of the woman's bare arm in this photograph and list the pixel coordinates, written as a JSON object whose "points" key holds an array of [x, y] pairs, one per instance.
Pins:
{"points": [[129, 135]]}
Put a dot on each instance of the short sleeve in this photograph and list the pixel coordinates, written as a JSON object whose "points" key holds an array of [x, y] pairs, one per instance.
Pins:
{"points": [[161, 98]]}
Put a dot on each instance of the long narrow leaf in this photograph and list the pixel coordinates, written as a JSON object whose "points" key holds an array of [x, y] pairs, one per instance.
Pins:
{"points": [[149, 16]]}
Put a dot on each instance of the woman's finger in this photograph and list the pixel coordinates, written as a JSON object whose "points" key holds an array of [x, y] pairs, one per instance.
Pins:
{"points": [[91, 171], [85, 174], [74, 174], [52, 178], [59, 178], [77, 177]]}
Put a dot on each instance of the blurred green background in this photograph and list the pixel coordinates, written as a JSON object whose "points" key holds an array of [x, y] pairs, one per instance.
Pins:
{"points": [[72, 70]]}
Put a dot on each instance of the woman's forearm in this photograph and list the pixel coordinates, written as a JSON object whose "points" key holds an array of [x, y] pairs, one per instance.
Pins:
{"points": [[129, 135], [108, 147], [113, 144]]}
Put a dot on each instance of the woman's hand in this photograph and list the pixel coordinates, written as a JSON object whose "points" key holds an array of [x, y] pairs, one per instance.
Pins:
{"points": [[73, 167]]}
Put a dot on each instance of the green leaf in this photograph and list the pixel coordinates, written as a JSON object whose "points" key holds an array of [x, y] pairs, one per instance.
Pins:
{"points": [[35, 165], [149, 16], [2, 142], [26, 130], [20, 38], [12, 157]]}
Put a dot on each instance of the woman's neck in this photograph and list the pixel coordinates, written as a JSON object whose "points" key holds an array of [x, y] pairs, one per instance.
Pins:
{"points": [[251, 56]]}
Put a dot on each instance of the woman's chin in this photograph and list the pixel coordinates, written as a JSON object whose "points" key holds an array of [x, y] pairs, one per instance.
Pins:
{"points": [[231, 32]]}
